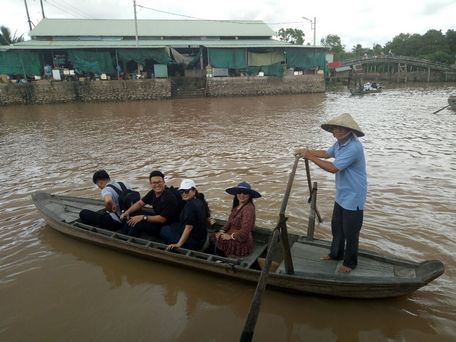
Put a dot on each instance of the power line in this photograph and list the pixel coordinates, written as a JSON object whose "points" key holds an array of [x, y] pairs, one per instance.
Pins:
{"points": [[67, 10], [216, 20], [76, 9]]}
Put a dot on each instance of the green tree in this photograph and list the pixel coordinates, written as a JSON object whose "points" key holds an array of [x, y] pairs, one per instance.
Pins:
{"points": [[431, 42], [291, 35], [6, 38], [440, 56], [333, 42], [359, 51], [377, 49], [450, 37]]}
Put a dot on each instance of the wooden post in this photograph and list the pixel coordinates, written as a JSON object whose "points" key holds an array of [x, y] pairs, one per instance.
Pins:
{"points": [[309, 184], [281, 228], [249, 327], [288, 261], [313, 209]]}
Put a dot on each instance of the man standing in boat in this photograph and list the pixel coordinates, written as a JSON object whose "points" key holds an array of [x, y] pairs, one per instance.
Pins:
{"points": [[349, 166]]}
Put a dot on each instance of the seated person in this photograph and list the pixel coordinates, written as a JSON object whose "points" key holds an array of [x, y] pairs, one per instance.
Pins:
{"points": [[110, 218], [235, 240], [191, 231], [164, 202]]}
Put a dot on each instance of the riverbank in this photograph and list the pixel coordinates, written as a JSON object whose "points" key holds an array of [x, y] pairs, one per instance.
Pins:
{"points": [[50, 91]]}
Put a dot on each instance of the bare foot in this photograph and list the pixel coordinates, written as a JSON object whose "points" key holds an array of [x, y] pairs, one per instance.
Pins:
{"points": [[344, 269], [325, 257]]}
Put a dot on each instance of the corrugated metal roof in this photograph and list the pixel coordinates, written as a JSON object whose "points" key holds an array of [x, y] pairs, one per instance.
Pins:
{"points": [[158, 28], [113, 44]]}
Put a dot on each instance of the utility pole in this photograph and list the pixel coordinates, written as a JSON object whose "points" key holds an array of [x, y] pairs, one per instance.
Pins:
{"points": [[136, 33], [42, 9], [315, 30], [313, 26], [28, 16], [136, 23]]}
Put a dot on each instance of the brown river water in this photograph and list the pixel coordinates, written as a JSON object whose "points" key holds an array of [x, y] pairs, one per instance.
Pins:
{"points": [[54, 288]]}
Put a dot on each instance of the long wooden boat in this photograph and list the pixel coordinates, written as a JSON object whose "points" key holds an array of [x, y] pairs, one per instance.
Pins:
{"points": [[363, 92], [452, 101], [376, 276]]}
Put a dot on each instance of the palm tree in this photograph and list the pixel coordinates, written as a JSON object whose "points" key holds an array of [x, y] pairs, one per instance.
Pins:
{"points": [[7, 39]]}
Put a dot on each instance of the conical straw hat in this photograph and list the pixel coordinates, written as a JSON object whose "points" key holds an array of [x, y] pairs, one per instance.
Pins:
{"points": [[343, 120]]}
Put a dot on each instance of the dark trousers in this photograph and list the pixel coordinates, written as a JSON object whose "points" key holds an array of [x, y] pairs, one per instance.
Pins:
{"points": [[345, 228], [173, 232], [99, 219], [141, 227]]}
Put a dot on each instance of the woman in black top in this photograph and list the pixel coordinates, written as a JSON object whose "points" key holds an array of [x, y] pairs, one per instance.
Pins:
{"points": [[191, 231]]}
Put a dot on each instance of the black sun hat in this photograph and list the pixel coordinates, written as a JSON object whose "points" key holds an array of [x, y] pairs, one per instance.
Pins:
{"points": [[243, 187]]}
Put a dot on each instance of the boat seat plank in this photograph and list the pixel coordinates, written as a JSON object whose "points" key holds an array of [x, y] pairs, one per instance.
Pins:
{"points": [[306, 258], [69, 217], [259, 248]]}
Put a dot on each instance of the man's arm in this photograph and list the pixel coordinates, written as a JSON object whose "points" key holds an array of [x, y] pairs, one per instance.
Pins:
{"points": [[135, 207], [109, 204], [317, 156]]}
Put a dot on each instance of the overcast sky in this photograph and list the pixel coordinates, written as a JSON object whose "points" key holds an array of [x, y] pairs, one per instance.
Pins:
{"points": [[366, 22]]}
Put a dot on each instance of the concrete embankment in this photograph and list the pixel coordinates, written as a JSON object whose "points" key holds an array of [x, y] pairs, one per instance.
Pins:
{"points": [[48, 91]]}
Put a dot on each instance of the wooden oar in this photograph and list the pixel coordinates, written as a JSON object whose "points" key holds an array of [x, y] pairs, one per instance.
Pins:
{"points": [[254, 310], [440, 109], [309, 183]]}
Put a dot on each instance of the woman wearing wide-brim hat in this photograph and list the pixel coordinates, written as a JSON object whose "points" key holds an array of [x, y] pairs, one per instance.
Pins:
{"points": [[235, 240], [349, 166]]}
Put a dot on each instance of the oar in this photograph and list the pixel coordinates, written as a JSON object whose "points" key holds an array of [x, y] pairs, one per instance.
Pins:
{"points": [[254, 310], [441, 109], [309, 183]]}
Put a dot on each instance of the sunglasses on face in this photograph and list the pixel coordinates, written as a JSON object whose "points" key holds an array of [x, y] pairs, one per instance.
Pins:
{"points": [[185, 191], [242, 192]]}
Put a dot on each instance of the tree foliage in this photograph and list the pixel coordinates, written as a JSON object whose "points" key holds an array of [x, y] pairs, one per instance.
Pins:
{"points": [[291, 35], [6, 38], [433, 45]]}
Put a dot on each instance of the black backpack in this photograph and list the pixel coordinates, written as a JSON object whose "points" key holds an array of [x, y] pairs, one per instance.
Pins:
{"points": [[180, 201], [127, 197]]}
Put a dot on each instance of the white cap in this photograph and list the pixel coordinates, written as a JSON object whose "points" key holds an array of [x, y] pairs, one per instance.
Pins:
{"points": [[187, 184]]}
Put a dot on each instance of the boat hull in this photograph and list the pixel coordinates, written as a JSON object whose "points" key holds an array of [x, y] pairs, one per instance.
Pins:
{"points": [[303, 281]]}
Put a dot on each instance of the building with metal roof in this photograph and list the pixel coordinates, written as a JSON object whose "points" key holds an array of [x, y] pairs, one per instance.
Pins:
{"points": [[157, 48], [125, 29]]}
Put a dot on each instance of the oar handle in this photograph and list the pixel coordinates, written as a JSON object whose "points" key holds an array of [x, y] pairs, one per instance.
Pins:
{"points": [[289, 184], [441, 109], [309, 181], [249, 327]]}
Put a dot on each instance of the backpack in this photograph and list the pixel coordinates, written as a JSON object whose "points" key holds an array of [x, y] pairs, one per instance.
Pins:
{"points": [[180, 201], [127, 197]]}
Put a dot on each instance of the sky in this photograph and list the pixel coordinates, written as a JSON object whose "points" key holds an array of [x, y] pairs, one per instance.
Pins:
{"points": [[365, 22]]}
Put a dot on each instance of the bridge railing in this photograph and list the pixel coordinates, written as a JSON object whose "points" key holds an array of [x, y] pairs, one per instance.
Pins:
{"points": [[400, 59]]}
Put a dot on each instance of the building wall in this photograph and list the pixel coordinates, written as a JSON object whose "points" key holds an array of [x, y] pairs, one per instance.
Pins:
{"points": [[41, 92], [44, 91], [266, 85]]}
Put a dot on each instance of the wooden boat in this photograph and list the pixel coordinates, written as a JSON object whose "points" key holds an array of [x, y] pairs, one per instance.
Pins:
{"points": [[363, 92], [375, 277], [452, 101]]}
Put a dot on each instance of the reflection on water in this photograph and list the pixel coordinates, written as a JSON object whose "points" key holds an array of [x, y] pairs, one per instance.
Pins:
{"points": [[56, 288]]}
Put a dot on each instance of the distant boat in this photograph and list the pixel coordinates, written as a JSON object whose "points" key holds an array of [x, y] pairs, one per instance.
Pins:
{"points": [[376, 276], [452, 101], [366, 88]]}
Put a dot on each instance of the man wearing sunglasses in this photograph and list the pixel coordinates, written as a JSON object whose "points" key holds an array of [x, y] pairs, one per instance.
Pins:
{"points": [[164, 202]]}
